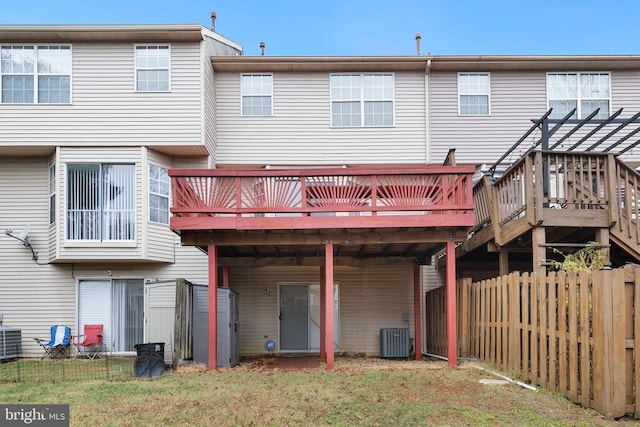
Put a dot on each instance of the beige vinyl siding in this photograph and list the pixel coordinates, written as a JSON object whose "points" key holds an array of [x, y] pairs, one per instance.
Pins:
{"points": [[370, 299], [516, 98], [208, 99], [106, 110], [32, 297], [300, 132]]}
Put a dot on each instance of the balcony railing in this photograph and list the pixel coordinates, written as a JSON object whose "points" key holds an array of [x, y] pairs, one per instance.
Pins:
{"points": [[321, 198]]}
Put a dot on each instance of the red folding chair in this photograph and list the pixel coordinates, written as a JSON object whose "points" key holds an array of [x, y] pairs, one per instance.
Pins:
{"points": [[90, 343]]}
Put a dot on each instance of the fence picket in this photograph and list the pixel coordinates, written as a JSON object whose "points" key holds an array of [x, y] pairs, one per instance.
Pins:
{"points": [[576, 334]]}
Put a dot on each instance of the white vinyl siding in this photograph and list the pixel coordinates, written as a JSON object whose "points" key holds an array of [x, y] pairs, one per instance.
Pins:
{"points": [[474, 91], [153, 72], [584, 91], [101, 202], [299, 132], [362, 100], [257, 94], [35, 74]]}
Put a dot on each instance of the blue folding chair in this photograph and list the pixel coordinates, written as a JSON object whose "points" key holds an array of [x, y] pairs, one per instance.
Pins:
{"points": [[58, 345]]}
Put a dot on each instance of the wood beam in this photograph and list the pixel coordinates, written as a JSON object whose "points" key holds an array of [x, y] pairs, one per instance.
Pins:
{"points": [[257, 262], [342, 237]]}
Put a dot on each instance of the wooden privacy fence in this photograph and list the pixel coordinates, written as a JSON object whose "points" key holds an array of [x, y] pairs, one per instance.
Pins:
{"points": [[578, 334]]}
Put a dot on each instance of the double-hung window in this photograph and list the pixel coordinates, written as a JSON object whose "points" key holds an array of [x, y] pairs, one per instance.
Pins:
{"points": [[158, 194], [52, 193], [257, 94], [359, 100], [101, 201], [153, 68], [473, 94], [34, 74], [584, 91]]}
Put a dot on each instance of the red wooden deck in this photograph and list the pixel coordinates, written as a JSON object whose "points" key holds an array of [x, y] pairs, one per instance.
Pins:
{"points": [[412, 203], [221, 199]]}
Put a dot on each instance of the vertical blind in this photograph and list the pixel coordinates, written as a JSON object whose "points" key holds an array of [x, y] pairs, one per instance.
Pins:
{"points": [[100, 202]]}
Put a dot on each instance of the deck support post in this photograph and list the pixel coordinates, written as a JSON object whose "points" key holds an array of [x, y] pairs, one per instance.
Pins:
{"points": [[225, 276], [503, 262], [212, 260], [539, 250], [328, 305], [452, 353], [323, 320], [416, 312]]}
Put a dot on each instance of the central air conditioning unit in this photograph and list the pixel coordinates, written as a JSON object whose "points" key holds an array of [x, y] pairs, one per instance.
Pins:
{"points": [[394, 343], [10, 343]]}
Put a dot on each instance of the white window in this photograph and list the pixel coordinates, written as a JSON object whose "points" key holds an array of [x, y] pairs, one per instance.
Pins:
{"points": [[52, 193], [257, 94], [584, 91], [101, 202], [158, 194], [35, 74], [152, 68], [473, 94], [117, 305], [362, 100]]}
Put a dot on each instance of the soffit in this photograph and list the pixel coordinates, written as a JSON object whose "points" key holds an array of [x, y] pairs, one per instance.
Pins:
{"points": [[99, 33], [422, 63]]}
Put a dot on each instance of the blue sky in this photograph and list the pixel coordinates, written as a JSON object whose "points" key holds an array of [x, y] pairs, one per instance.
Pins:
{"points": [[372, 27]]}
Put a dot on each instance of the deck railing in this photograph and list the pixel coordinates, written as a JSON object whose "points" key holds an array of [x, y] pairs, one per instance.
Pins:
{"points": [[572, 189], [256, 199]]}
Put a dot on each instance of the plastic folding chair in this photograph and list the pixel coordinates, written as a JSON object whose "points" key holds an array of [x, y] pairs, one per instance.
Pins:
{"points": [[90, 343], [58, 345]]}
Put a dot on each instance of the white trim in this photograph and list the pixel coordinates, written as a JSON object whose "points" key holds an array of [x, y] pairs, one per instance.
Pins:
{"points": [[35, 74], [242, 94], [362, 101], [487, 94], [160, 47], [579, 113]]}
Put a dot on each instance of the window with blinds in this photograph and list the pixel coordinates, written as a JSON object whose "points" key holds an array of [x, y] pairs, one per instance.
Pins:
{"points": [[101, 202]]}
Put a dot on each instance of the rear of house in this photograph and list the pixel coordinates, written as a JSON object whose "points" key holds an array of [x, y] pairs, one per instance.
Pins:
{"points": [[92, 119]]}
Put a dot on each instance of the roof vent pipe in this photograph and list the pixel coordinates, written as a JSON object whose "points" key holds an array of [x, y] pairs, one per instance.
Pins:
{"points": [[418, 38], [262, 48], [213, 21]]}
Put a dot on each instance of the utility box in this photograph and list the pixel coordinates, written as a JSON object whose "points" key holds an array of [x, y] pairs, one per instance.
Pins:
{"points": [[10, 343], [228, 353], [394, 343]]}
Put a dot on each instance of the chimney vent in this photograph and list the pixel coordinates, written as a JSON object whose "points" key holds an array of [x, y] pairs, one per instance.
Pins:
{"points": [[213, 21], [418, 38], [262, 48]]}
